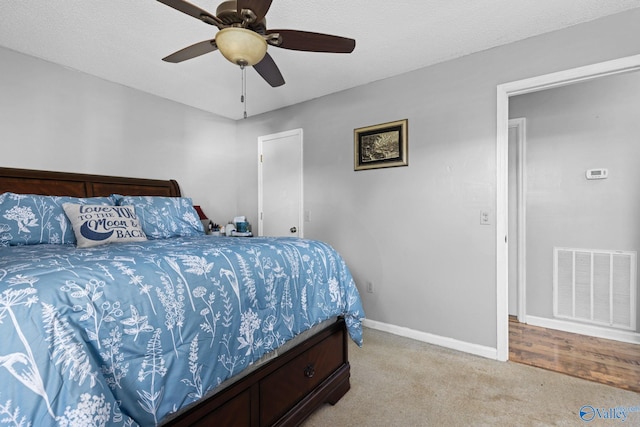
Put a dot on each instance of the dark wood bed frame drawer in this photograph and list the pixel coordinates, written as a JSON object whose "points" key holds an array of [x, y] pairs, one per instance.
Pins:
{"points": [[284, 391], [295, 380], [236, 412]]}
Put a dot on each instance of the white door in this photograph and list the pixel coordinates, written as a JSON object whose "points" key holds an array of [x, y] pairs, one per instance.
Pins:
{"points": [[280, 201]]}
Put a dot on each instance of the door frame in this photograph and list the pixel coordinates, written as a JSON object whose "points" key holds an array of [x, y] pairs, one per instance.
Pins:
{"points": [[504, 91], [520, 124], [261, 141]]}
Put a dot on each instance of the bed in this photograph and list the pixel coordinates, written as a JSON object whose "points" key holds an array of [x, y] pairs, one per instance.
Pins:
{"points": [[169, 328]]}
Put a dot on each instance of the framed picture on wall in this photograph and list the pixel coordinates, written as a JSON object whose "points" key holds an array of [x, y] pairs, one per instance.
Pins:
{"points": [[381, 146]]}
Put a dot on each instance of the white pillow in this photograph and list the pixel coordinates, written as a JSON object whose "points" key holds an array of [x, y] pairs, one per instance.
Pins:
{"points": [[96, 225]]}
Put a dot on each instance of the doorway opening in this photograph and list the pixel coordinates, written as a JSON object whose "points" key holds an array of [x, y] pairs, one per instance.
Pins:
{"points": [[504, 92]]}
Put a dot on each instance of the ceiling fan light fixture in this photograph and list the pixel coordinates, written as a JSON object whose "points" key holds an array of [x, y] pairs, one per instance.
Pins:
{"points": [[241, 46]]}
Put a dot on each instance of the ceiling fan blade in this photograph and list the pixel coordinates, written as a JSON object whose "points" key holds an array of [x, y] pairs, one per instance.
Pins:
{"points": [[192, 51], [259, 7], [192, 10], [269, 71], [313, 42]]}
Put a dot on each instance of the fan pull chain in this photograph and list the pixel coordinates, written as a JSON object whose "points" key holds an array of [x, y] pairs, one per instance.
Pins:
{"points": [[243, 97]]}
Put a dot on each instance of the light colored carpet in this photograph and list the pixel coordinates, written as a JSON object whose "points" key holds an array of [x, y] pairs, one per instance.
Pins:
{"points": [[397, 381]]}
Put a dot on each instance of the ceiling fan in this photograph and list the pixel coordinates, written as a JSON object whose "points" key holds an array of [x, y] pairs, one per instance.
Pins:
{"points": [[243, 37]]}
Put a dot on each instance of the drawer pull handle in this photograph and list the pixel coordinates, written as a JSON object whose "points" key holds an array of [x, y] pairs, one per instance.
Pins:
{"points": [[309, 371]]}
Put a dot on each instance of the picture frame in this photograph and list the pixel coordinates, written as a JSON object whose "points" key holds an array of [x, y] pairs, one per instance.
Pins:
{"points": [[381, 146]]}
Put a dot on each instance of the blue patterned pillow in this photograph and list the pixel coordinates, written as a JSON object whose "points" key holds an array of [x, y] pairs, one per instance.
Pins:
{"points": [[31, 219], [164, 217]]}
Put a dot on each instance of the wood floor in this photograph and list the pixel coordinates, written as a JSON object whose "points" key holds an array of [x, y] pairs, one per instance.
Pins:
{"points": [[609, 362]]}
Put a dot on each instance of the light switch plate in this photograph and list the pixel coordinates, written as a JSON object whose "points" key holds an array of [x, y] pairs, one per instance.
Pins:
{"points": [[485, 218]]}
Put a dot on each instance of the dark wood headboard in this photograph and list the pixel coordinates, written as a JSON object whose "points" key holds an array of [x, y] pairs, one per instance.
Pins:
{"points": [[26, 181]]}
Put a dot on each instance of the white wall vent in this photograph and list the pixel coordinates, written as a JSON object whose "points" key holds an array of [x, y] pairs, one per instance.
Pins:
{"points": [[595, 286]]}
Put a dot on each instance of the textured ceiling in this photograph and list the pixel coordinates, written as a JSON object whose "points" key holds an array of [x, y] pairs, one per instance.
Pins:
{"points": [[123, 41]]}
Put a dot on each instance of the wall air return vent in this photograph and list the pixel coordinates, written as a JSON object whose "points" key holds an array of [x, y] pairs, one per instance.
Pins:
{"points": [[595, 286]]}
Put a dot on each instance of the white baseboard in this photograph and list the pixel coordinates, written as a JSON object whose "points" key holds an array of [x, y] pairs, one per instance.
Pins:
{"points": [[478, 350], [579, 328]]}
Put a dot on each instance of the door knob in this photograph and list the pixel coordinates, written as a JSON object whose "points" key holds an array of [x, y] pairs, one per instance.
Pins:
{"points": [[309, 371], [293, 229]]}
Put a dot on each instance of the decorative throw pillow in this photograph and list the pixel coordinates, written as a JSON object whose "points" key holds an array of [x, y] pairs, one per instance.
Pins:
{"points": [[96, 225], [164, 217], [31, 219]]}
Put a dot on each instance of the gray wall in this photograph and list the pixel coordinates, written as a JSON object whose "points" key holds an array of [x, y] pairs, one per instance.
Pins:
{"points": [[55, 118], [434, 274], [437, 273], [571, 129]]}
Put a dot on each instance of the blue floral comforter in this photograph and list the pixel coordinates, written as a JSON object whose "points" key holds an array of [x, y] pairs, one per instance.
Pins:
{"points": [[125, 334]]}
